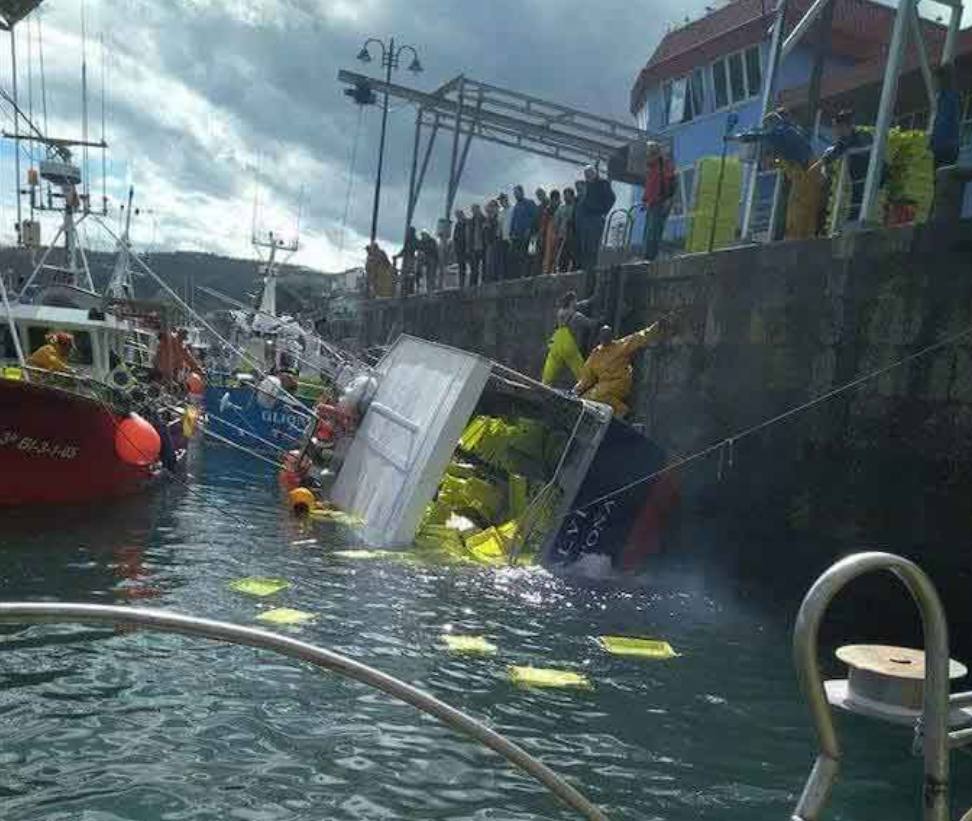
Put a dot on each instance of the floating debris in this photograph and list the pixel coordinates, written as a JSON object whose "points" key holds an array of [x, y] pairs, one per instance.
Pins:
{"points": [[369, 554], [259, 586], [337, 516], [548, 677], [637, 647], [469, 645], [286, 615]]}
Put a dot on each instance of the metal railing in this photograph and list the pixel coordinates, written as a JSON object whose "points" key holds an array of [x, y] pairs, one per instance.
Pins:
{"points": [[935, 738], [31, 612]]}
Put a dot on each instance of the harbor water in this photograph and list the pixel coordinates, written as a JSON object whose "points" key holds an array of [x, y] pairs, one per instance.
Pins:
{"points": [[101, 723]]}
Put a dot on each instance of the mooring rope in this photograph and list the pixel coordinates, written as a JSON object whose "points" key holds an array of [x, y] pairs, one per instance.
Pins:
{"points": [[730, 441]]}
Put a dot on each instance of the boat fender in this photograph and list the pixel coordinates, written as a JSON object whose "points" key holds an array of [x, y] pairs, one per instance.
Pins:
{"points": [[302, 501], [137, 442], [195, 384]]}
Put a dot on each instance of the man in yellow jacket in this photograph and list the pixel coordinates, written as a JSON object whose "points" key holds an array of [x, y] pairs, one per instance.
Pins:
{"points": [[607, 375], [55, 354]]}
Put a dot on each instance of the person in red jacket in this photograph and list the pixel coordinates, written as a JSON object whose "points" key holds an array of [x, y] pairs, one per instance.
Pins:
{"points": [[660, 188]]}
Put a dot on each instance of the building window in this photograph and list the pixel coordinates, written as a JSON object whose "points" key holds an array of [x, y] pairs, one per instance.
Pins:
{"points": [[754, 77], [684, 98], [737, 77]]}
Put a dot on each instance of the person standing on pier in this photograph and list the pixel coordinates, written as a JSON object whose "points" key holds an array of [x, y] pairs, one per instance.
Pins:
{"points": [[548, 237], [476, 245], [491, 242], [523, 226], [565, 255], [428, 262], [946, 129], [660, 185], [592, 211], [460, 232], [505, 216], [407, 256]]}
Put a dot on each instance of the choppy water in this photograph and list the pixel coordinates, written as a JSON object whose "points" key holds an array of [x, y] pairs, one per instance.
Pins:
{"points": [[100, 724]]}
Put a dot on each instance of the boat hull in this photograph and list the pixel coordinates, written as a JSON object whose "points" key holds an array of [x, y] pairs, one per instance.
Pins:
{"points": [[234, 413], [58, 447], [608, 518]]}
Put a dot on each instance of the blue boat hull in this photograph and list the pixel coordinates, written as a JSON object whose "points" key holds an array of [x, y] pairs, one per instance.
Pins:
{"points": [[235, 414]]}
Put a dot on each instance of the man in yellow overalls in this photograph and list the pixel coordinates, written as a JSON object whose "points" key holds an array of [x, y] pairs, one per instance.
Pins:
{"points": [[569, 343], [607, 375]]}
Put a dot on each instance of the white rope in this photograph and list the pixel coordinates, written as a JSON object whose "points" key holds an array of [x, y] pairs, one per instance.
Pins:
{"points": [[729, 441], [347, 198]]}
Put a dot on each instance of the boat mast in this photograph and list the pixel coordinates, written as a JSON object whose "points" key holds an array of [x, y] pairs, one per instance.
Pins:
{"points": [[121, 286]]}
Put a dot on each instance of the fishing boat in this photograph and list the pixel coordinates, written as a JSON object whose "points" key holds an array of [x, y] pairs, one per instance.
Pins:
{"points": [[104, 427], [259, 393], [460, 454]]}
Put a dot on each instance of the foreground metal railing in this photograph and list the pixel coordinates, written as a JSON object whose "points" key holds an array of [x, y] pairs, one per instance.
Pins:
{"points": [[934, 721], [30, 612]]}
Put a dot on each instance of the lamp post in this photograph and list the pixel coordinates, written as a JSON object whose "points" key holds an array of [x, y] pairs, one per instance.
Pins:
{"points": [[390, 57]]}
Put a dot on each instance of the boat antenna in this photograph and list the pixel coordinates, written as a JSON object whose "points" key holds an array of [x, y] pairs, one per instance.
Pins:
{"points": [[86, 187], [16, 128], [350, 191], [300, 211], [104, 152]]}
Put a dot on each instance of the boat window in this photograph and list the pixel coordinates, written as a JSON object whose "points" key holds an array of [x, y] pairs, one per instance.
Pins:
{"points": [[37, 337], [7, 349]]}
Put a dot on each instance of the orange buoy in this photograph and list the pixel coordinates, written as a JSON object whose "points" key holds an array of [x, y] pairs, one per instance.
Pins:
{"points": [[137, 442], [301, 500], [195, 384]]}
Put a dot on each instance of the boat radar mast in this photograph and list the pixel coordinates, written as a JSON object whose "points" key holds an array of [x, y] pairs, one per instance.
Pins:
{"points": [[266, 305]]}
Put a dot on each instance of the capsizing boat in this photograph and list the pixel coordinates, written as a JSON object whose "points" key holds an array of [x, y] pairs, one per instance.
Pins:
{"points": [[457, 454]]}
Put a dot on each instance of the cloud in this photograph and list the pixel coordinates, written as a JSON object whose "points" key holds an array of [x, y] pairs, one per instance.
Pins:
{"points": [[212, 99]]}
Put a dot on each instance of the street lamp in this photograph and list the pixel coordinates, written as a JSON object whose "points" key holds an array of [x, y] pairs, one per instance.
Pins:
{"points": [[390, 58]]}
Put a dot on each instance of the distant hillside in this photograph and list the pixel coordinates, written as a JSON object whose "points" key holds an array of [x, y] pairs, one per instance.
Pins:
{"points": [[299, 288]]}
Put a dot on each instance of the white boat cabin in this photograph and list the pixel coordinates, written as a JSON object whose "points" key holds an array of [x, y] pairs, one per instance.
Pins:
{"points": [[102, 342]]}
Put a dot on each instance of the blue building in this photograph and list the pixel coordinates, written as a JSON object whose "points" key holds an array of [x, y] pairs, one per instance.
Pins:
{"points": [[713, 67]]}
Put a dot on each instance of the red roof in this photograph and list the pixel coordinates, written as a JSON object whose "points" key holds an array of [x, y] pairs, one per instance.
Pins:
{"points": [[871, 72], [861, 30]]}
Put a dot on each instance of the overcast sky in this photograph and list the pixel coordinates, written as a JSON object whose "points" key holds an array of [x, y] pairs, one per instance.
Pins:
{"points": [[209, 100]]}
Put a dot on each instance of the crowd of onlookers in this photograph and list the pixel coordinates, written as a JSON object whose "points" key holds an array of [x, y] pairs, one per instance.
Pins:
{"points": [[501, 239], [561, 230]]}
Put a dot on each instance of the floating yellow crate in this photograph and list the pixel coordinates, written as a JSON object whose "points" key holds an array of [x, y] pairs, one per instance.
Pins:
{"points": [[286, 615], [637, 647], [548, 677], [469, 645], [259, 586]]}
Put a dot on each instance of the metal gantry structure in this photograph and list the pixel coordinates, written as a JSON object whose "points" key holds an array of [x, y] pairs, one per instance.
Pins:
{"points": [[464, 109], [907, 20]]}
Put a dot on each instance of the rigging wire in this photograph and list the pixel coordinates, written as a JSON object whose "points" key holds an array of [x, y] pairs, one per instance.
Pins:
{"points": [[348, 195], [730, 441], [104, 153], [43, 77], [30, 87]]}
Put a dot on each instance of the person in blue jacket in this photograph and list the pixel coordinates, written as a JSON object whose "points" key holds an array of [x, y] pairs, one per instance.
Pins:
{"points": [[524, 224], [945, 133], [591, 212]]}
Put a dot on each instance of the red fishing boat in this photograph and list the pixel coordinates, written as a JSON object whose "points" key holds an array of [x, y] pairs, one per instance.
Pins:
{"points": [[100, 424]]}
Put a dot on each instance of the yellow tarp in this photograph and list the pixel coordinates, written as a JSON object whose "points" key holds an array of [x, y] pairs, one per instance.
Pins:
{"points": [[547, 677], [259, 586], [286, 615], [471, 645], [638, 647]]}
